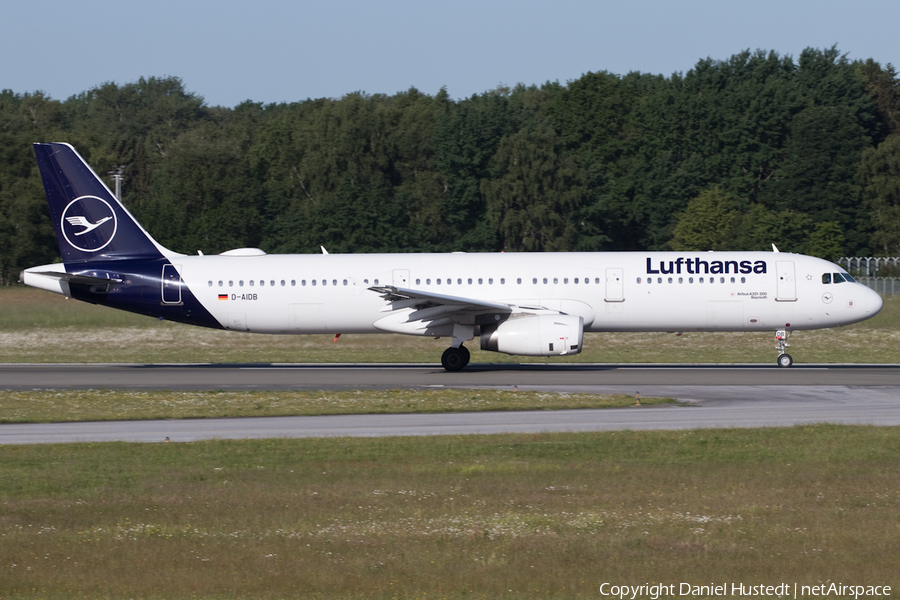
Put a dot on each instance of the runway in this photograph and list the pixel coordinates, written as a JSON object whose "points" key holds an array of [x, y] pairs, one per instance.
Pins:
{"points": [[389, 376], [716, 396]]}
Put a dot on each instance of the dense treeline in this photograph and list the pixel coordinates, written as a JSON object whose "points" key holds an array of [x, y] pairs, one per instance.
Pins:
{"points": [[734, 154]]}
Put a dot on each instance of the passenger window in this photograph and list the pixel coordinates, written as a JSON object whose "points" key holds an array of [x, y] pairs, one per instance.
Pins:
{"points": [[545, 280], [294, 282], [502, 280], [241, 283], [480, 281], [272, 283], [732, 280], [519, 280], [418, 282], [721, 280], [334, 282], [649, 280], [459, 281], [690, 280], [251, 283], [439, 282], [638, 280], [345, 281], [376, 282], [555, 281], [490, 281], [324, 282], [681, 280], [743, 280], [597, 280], [314, 282], [210, 283], [470, 281], [575, 281], [282, 283], [534, 281], [220, 283], [670, 280], [700, 280], [262, 283], [428, 282]]}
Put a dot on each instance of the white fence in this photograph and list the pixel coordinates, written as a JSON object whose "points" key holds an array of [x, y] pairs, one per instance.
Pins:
{"points": [[865, 270], [867, 265], [886, 286]]}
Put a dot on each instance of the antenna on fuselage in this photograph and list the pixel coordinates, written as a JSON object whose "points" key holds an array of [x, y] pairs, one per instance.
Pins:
{"points": [[774, 249]]}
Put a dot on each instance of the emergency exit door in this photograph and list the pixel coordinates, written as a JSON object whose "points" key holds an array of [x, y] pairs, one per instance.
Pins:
{"points": [[615, 287], [171, 285], [786, 287]]}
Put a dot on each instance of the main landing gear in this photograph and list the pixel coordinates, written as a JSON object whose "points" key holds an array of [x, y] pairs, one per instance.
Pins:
{"points": [[455, 359], [784, 359]]}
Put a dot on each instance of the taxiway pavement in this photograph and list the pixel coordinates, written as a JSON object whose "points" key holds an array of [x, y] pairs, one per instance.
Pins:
{"points": [[717, 396]]}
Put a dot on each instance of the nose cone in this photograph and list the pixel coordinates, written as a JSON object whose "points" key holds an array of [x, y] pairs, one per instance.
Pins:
{"points": [[871, 303]]}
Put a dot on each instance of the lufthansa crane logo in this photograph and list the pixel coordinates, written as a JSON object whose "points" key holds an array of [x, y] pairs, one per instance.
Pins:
{"points": [[88, 223]]}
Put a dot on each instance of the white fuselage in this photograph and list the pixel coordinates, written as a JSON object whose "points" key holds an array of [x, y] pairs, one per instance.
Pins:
{"points": [[661, 291]]}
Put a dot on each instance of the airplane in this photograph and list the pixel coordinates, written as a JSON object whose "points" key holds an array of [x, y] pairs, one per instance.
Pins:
{"points": [[530, 304]]}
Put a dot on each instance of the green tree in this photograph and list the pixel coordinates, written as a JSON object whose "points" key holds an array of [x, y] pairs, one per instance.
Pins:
{"points": [[883, 87], [878, 178], [536, 189], [707, 223], [759, 228], [26, 236], [817, 176], [826, 241], [204, 195]]}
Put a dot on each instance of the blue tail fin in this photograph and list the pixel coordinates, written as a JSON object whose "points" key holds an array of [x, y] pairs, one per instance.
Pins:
{"points": [[90, 223]]}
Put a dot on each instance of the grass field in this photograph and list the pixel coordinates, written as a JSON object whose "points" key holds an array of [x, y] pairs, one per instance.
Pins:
{"points": [[508, 516], [44, 406], [37, 326]]}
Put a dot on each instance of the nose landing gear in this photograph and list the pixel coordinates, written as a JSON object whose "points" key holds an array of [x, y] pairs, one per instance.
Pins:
{"points": [[784, 359]]}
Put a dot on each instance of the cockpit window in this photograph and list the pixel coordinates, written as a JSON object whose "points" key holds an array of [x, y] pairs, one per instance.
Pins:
{"points": [[848, 278], [837, 278], [826, 277]]}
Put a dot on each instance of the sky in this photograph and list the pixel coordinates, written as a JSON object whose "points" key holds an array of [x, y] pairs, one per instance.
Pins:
{"points": [[229, 51]]}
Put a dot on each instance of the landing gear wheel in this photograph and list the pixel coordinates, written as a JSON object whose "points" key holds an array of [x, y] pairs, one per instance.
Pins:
{"points": [[466, 355], [454, 359], [785, 360]]}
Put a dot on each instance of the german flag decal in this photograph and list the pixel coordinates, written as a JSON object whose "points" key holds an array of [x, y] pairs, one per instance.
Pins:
{"points": [[223, 296]]}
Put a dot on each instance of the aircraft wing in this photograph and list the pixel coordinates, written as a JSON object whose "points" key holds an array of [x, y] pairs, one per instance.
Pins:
{"points": [[426, 313], [415, 298]]}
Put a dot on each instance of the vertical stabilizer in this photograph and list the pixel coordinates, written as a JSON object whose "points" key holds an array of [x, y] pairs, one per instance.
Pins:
{"points": [[90, 223]]}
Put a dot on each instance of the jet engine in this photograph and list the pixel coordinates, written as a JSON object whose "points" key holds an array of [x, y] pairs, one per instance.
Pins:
{"points": [[535, 335]]}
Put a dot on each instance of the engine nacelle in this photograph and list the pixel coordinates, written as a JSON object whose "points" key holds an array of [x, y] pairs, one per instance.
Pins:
{"points": [[537, 335]]}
